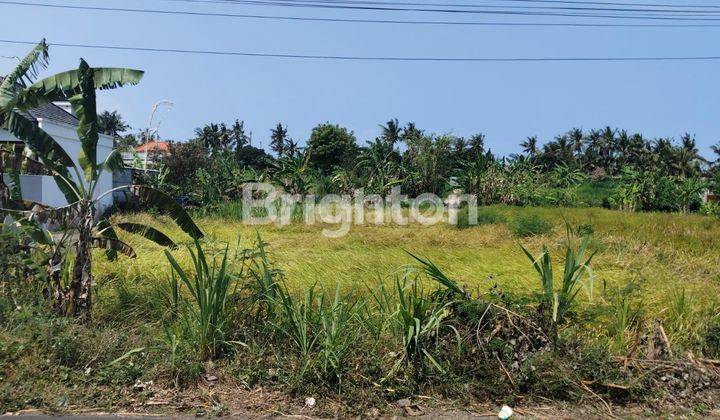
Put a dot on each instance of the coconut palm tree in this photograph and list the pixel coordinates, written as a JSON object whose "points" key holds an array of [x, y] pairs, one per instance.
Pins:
{"points": [[78, 182], [391, 132], [577, 140], [689, 160], [112, 123], [530, 147]]}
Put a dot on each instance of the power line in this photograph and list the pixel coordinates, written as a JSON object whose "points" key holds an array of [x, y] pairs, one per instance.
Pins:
{"points": [[571, 2], [605, 8], [373, 58], [352, 20], [571, 12], [353, 7]]}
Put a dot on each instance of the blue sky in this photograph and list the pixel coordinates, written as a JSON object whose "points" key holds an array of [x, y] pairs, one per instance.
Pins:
{"points": [[506, 101]]}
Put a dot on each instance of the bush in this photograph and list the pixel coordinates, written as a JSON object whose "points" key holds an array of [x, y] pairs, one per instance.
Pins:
{"points": [[530, 224]]}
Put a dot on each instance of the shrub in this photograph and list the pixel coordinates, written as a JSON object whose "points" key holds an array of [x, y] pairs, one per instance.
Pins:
{"points": [[530, 224]]}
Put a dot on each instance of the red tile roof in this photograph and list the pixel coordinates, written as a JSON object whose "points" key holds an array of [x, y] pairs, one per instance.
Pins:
{"points": [[154, 146]]}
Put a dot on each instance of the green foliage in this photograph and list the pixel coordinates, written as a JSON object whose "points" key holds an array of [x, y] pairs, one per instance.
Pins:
{"points": [[112, 123], [22, 271], [81, 225], [433, 272], [183, 160], [338, 333], [654, 190], [530, 224], [710, 208], [555, 304], [625, 317], [331, 146], [206, 318], [427, 165], [420, 316], [297, 318]]}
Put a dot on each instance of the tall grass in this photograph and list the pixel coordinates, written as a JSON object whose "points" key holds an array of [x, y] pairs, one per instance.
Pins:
{"points": [[626, 316], [421, 317], [322, 329], [338, 332], [206, 317], [265, 284], [577, 275], [296, 318]]}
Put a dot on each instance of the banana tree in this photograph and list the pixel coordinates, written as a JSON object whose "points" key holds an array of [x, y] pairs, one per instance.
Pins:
{"points": [[79, 182]]}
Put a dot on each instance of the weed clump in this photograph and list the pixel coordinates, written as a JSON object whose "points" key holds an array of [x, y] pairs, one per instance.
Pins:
{"points": [[485, 216], [530, 224]]}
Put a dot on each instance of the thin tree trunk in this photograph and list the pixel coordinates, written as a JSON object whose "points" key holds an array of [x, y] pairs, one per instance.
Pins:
{"points": [[4, 192], [78, 299]]}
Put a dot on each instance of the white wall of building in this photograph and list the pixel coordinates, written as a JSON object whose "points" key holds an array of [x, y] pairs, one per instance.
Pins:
{"points": [[43, 188]]}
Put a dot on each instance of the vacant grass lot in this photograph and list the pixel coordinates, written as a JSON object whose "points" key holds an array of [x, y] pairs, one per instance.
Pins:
{"points": [[658, 255], [649, 268]]}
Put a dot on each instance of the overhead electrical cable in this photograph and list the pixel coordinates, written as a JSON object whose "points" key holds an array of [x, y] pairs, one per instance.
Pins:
{"points": [[372, 58], [480, 6], [671, 15], [275, 3]]}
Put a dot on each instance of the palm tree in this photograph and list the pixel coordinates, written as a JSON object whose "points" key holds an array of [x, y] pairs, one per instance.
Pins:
{"points": [[576, 138], [530, 147], [112, 123], [689, 159], [18, 94], [278, 139], [716, 150], [391, 132], [476, 146], [411, 135], [608, 146], [292, 147]]}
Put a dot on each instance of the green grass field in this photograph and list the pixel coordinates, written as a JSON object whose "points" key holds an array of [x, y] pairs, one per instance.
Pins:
{"points": [[660, 254], [649, 268]]}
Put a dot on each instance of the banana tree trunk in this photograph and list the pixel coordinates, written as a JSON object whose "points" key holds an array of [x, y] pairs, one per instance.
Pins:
{"points": [[4, 192], [78, 298]]}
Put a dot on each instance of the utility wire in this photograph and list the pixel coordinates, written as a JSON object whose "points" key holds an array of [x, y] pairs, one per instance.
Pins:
{"points": [[570, 2], [671, 15], [275, 3], [387, 21], [480, 6], [373, 58]]}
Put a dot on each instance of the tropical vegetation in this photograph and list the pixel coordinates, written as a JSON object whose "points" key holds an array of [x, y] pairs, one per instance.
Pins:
{"points": [[550, 299]]}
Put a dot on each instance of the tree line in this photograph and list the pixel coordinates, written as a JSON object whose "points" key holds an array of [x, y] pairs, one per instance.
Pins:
{"points": [[644, 173]]}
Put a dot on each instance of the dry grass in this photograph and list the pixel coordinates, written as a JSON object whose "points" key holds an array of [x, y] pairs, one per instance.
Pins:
{"points": [[662, 252]]}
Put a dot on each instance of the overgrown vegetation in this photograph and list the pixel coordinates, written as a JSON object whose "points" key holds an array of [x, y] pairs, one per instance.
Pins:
{"points": [[357, 322], [600, 168], [244, 312]]}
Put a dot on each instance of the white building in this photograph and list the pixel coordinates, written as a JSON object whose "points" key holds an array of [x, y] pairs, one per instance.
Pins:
{"points": [[62, 126]]}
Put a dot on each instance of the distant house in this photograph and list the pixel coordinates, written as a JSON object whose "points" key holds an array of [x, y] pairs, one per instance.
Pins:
{"points": [[149, 153], [61, 125]]}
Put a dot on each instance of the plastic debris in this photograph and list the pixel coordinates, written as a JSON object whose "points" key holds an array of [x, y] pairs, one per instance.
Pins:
{"points": [[505, 412]]}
